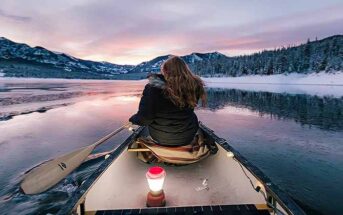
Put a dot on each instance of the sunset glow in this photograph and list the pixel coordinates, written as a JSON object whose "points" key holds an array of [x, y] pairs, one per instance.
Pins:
{"points": [[129, 32]]}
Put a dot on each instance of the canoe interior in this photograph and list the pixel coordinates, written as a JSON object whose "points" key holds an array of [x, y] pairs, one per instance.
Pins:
{"points": [[124, 185], [120, 183]]}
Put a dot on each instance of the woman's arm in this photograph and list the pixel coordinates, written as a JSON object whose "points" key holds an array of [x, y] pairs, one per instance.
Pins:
{"points": [[147, 107]]}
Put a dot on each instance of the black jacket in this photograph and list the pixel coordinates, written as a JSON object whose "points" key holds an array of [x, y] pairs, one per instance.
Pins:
{"points": [[167, 123]]}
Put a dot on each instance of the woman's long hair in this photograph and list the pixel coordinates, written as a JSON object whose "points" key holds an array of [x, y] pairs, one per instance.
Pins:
{"points": [[182, 86]]}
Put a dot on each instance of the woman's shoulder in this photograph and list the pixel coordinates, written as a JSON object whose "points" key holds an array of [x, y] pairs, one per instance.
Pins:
{"points": [[156, 81], [155, 85]]}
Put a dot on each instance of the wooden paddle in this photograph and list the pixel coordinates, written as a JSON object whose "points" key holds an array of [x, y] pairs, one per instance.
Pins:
{"points": [[48, 174]]}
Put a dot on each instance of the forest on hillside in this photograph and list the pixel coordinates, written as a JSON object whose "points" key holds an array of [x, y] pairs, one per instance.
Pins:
{"points": [[313, 56]]}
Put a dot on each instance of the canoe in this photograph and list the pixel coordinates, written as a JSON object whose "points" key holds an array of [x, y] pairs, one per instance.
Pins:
{"points": [[224, 183]]}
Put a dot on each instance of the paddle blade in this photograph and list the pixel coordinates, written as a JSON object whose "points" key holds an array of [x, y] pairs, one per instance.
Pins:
{"points": [[50, 173]]}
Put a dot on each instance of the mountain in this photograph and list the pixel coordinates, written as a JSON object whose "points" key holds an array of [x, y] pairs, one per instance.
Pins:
{"points": [[18, 59], [154, 65], [21, 60]]}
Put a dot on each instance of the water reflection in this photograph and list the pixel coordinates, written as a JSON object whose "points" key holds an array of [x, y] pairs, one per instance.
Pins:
{"points": [[18, 97], [322, 112], [27, 140], [305, 160]]}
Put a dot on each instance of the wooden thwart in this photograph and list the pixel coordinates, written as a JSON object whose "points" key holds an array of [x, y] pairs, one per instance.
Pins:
{"points": [[138, 150], [263, 207]]}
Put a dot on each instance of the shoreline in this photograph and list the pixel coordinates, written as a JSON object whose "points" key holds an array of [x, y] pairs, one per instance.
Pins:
{"points": [[320, 78]]}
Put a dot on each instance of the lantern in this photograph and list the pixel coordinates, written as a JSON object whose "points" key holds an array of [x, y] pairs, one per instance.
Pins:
{"points": [[155, 177]]}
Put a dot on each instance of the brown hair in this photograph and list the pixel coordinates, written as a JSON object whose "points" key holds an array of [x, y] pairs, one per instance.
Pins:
{"points": [[182, 86]]}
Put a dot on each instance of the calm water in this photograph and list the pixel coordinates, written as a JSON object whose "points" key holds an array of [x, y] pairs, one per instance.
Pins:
{"points": [[296, 140]]}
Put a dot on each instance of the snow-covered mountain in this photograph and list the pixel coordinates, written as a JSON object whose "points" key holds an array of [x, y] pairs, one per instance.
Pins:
{"points": [[21, 60], [16, 56], [154, 65]]}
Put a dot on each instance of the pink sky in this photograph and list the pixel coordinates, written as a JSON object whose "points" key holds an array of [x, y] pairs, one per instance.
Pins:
{"points": [[129, 32]]}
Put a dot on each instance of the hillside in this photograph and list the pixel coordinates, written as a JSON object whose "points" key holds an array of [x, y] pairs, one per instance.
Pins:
{"points": [[320, 55]]}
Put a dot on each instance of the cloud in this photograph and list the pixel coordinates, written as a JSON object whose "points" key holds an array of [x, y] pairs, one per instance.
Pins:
{"points": [[134, 31], [14, 17]]}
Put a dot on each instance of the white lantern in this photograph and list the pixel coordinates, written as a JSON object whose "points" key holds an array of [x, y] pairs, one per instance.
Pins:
{"points": [[155, 177]]}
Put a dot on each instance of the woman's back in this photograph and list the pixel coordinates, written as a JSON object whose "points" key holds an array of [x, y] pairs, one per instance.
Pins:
{"points": [[167, 104], [171, 125]]}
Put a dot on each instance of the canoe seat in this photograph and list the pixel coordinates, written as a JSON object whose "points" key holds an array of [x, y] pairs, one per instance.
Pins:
{"points": [[247, 209], [149, 151]]}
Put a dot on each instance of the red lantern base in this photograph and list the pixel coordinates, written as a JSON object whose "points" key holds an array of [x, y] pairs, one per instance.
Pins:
{"points": [[153, 200]]}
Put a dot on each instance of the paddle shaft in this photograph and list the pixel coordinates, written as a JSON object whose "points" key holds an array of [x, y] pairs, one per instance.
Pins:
{"points": [[48, 174], [108, 136]]}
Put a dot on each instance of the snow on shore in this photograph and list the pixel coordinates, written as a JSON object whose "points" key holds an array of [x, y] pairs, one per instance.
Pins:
{"points": [[320, 84]]}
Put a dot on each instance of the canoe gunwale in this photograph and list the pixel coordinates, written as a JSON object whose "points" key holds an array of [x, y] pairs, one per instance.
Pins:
{"points": [[282, 198], [79, 195]]}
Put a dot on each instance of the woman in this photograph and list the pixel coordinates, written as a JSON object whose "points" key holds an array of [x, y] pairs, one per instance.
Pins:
{"points": [[168, 102]]}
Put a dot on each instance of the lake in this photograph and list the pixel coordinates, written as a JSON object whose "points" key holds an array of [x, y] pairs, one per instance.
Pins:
{"points": [[295, 139]]}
